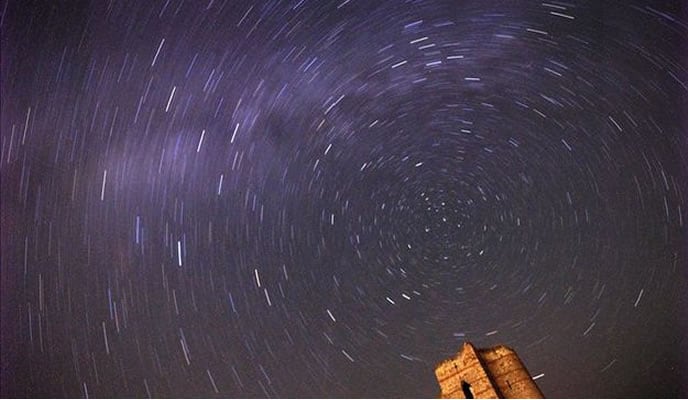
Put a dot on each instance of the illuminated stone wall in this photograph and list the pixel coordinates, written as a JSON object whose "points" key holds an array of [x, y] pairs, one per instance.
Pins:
{"points": [[491, 373]]}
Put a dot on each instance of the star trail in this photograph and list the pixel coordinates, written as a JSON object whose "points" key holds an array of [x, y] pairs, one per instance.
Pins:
{"points": [[325, 199]]}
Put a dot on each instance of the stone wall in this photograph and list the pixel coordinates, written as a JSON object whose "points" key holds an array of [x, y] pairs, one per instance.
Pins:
{"points": [[491, 373]]}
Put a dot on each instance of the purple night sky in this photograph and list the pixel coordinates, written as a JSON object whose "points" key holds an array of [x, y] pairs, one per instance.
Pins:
{"points": [[310, 198]]}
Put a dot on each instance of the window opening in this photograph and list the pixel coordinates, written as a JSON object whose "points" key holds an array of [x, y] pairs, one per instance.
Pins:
{"points": [[467, 391]]}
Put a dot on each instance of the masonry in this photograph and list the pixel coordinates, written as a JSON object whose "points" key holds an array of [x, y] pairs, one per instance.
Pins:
{"points": [[494, 373]]}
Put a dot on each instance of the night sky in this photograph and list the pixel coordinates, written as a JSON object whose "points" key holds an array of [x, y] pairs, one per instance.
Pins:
{"points": [[309, 198]]}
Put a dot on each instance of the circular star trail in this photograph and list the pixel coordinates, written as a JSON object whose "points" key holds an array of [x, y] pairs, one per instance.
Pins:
{"points": [[325, 199]]}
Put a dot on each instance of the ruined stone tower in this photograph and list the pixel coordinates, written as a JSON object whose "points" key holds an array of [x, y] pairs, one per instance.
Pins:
{"points": [[494, 373]]}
